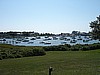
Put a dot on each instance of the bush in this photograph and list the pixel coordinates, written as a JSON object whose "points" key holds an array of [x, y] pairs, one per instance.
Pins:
{"points": [[57, 48], [38, 52], [4, 55], [18, 52], [26, 53], [1, 57]]}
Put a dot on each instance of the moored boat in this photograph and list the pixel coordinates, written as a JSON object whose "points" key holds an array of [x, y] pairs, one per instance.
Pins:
{"points": [[73, 41], [25, 40]]}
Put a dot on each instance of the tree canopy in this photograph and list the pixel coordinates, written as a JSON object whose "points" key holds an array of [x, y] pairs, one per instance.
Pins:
{"points": [[95, 26]]}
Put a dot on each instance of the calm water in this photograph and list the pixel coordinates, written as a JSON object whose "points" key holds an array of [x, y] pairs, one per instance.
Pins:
{"points": [[49, 41]]}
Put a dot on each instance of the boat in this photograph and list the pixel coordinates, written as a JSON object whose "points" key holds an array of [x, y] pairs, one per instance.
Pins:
{"points": [[79, 39], [67, 39], [30, 42], [47, 39], [73, 37], [63, 42], [4, 40], [25, 40], [55, 38], [62, 38], [19, 39], [16, 42], [46, 36], [73, 41], [85, 40], [38, 37], [47, 43], [33, 39], [42, 42]]}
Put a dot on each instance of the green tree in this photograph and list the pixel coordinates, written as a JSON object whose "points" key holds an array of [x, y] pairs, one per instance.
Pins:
{"points": [[95, 26]]}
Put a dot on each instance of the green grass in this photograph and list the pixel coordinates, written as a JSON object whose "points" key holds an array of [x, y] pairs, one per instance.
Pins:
{"points": [[63, 62]]}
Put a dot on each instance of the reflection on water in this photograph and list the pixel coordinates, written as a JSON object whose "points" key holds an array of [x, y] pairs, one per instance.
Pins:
{"points": [[49, 41]]}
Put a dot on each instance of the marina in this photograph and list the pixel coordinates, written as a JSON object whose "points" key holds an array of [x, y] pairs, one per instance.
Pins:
{"points": [[48, 40]]}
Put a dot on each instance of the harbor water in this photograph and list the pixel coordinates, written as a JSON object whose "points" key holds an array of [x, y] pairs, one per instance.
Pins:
{"points": [[48, 41]]}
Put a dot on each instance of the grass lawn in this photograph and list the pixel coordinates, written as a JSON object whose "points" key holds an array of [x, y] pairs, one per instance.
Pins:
{"points": [[63, 62]]}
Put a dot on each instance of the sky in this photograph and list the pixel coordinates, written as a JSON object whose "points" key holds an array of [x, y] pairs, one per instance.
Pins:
{"points": [[48, 16]]}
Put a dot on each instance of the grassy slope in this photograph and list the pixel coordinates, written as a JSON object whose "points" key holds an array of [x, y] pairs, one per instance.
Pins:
{"points": [[63, 62]]}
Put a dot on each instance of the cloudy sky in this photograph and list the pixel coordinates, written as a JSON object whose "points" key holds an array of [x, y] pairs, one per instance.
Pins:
{"points": [[53, 16]]}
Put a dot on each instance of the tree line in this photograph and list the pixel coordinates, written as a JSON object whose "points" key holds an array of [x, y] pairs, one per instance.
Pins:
{"points": [[13, 34]]}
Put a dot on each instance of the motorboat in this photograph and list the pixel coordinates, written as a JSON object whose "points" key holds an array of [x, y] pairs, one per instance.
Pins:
{"points": [[73, 41], [33, 39], [25, 40]]}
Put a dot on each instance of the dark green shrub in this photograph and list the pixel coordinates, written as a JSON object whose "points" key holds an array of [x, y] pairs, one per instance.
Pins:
{"points": [[65, 47], [4, 55], [18, 52], [38, 52], [85, 48], [18, 56], [26, 53], [1, 57], [11, 56]]}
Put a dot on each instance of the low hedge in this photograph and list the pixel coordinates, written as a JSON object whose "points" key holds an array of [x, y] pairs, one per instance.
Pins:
{"points": [[9, 51], [76, 47]]}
